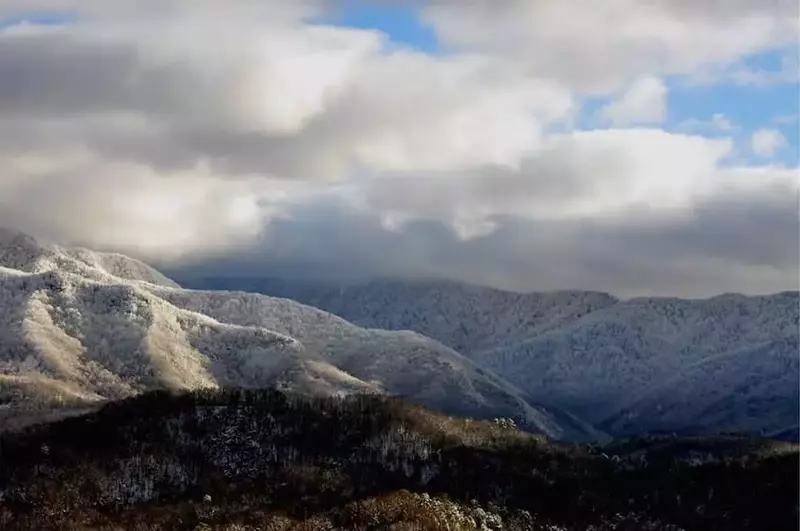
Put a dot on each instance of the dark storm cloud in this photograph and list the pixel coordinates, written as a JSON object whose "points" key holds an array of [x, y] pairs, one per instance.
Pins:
{"points": [[747, 242]]}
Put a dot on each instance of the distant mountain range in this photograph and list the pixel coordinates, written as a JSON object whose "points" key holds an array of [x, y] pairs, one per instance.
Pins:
{"points": [[79, 328], [724, 364]]}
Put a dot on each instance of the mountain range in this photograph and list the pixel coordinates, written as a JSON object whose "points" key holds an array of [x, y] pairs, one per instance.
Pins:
{"points": [[725, 364], [79, 328]]}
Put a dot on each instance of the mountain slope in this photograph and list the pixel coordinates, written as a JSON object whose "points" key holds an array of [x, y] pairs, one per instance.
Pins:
{"points": [[748, 394], [602, 365], [728, 363], [466, 318], [79, 333], [267, 460]]}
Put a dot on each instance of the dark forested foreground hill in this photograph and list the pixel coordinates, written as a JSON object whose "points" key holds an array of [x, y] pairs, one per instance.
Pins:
{"points": [[266, 460]]}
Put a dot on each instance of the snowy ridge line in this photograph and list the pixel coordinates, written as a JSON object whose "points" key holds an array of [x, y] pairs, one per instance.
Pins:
{"points": [[733, 357], [78, 328], [18, 251]]}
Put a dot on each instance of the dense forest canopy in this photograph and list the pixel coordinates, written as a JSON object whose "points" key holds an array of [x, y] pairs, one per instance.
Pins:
{"points": [[254, 457]]}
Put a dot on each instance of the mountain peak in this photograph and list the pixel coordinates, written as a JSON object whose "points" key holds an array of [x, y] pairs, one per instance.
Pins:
{"points": [[22, 252], [8, 234], [17, 249]]}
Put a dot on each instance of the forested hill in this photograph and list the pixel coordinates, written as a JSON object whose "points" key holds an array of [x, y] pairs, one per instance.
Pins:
{"points": [[632, 367], [78, 328], [262, 459]]}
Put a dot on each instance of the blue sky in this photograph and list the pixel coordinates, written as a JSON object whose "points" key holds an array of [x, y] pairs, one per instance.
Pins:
{"points": [[748, 108], [399, 21]]}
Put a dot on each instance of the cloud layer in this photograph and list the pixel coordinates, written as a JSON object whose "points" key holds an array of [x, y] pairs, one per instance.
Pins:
{"points": [[251, 140]]}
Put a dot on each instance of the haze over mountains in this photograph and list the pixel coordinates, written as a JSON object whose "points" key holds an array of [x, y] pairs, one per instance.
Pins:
{"points": [[728, 363], [79, 328]]}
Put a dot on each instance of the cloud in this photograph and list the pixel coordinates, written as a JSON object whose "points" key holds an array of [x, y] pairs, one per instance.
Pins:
{"points": [[746, 75], [718, 123], [634, 212], [128, 207], [766, 142], [271, 85], [127, 11], [585, 173], [786, 118], [247, 138], [742, 241], [601, 45], [645, 102], [301, 101]]}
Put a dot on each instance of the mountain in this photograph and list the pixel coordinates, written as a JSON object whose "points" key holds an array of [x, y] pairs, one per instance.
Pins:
{"points": [[736, 391], [791, 434], [22, 253], [239, 460], [728, 363], [78, 328], [465, 317]]}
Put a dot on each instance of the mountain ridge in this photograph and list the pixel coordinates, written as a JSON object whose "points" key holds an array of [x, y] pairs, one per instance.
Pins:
{"points": [[19, 251], [76, 334], [593, 354]]}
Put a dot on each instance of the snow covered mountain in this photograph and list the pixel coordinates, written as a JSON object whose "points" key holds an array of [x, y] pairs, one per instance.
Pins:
{"points": [[729, 363], [78, 328], [18, 251], [467, 318]]}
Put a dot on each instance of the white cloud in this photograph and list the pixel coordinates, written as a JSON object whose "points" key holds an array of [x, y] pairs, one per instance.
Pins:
{"points": [[300, 101], [743, 74], [766, 142], [600, 45], [127, 11], [178, 130], [645, 102], [129, 207], [786, 118], [582, 175], [718, 123]]}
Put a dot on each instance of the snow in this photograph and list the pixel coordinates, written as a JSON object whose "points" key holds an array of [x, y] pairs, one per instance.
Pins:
{"points": [[20, 252], [726, 363], [755, 390], [79, 328]]}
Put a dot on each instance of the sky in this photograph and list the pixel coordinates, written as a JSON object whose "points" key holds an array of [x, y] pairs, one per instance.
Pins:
{"points": [[639, 147]]}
